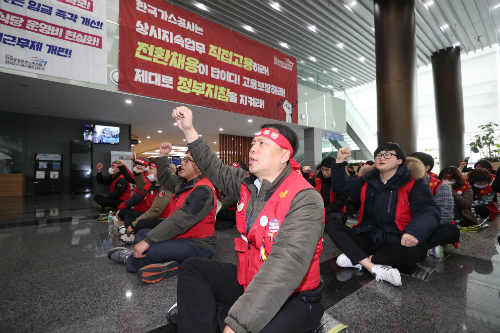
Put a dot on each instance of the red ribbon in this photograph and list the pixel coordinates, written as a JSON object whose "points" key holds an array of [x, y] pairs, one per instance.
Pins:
{"points": [[281, 141]]}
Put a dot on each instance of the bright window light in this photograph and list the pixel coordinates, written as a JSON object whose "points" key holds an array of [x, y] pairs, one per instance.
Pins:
{"points": [[276, 6], [312, 58], [312, 28], [285, 45], [249, 28]]}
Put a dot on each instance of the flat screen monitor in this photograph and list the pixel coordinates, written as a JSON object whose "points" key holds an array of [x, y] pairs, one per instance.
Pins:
{"points": [[102, 134]]}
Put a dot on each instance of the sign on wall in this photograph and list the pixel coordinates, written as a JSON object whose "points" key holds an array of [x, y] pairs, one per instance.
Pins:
{"points": [[63, 38], [169, 53]]}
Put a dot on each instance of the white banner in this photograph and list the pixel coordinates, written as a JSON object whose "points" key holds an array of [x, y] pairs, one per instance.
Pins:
{"points": [[63, 38]]}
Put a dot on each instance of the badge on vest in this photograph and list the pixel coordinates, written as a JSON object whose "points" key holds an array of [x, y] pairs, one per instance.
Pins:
{"points": [[263, 221], [459, 192], [274, 225], [161, 194], [240, 207]]}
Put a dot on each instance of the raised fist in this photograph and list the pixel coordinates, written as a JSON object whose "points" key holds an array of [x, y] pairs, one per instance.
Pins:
{"points": [[139, 168], [120, 163], [342, 154], [184, 118], [99, 167], [165, 148], [463, 165]]}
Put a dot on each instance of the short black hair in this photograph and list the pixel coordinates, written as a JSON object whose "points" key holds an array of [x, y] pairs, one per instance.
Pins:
{"points": [[388, 146], [484, 164], [479, 175], [427, 159], [327, 162], [288, 133]]}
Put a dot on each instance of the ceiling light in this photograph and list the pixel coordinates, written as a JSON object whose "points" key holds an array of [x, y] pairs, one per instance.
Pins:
{"points": [[250, 120], [201, 6], [133, 145], [249, 28], [183, 139], [159, 131], [200, 135], [128, 101], [304, 79], [353, 3], [456, 44], [430, 3], [285, 45], [348, 8], [311, 78], [215, 142], [330, 86], [312, 28], [139, 141], [444, 26], [373, 29], [157, 150], [312, 58], [175, 124], [335, 69], [221, 129], [148, 137], [275, 5], [362, 59], [302, 61], [353, 78], [340, 45], [496, 6]]}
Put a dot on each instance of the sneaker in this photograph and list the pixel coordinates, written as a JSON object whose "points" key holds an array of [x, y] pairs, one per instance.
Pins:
{"points": [[436, 253], [157, 272], [97, 207], [172, 314], [122, 230], [343, 261], [109, 209], [387, 273], [127, 239], [120, 254]]}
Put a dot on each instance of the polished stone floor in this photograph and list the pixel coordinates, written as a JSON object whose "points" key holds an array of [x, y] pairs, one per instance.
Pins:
{"points": [[55, 277]]}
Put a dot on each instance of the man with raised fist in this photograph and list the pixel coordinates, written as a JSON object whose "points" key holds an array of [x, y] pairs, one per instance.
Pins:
{"points": [[119, 190], [276, 286], [398, 214]]}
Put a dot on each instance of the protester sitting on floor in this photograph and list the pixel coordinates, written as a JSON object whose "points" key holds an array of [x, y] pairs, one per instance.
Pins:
{"points": [[276, 286], [354, 203], [140, 205], [119, 190], [447, 232], [334, 204], [187, 232], [157, 198], [483, 204], [462, 196], [398, 214], [226, 216]]}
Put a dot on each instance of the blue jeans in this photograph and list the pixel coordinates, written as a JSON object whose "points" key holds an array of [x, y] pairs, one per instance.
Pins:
{"points": [[170, 250]]}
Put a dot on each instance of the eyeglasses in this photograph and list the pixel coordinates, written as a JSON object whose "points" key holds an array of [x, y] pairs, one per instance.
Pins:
{"points": [[326, 170], [386, 156], [187, 159]]}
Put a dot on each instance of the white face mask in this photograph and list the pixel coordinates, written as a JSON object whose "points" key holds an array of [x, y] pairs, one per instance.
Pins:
{"points": [[135, 169], [147, 169], [480, 186], [449, 182], [111, 171], [152, 177]]}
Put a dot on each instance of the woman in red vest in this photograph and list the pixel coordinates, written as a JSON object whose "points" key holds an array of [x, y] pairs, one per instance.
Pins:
{"points": [[276, 286], [483, 204], [462, 195]]}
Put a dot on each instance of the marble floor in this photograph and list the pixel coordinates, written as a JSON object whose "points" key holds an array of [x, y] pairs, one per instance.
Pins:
{"points": [[55, 277]]}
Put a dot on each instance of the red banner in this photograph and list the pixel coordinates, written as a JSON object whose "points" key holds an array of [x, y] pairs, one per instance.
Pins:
{"points": [[169, 53]]}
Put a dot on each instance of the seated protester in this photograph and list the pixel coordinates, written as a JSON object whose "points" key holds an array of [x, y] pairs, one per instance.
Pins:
{"points": [[463, 166], [354, 203], [447, 232], [462, 196], [306, 172], [483, 194], [158, 199], [276, 286], [484, 164], [187, 232], [398, 214], [334, 204], [119, 190], [226, 216], [139, 203]]}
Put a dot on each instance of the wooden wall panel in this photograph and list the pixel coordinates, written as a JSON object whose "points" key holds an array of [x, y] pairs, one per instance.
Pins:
{"points": [[234, 148]]}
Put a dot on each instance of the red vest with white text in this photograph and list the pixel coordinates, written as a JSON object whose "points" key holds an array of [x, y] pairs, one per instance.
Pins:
{"points": [[254, 247], [206, 227], [403, 211]]}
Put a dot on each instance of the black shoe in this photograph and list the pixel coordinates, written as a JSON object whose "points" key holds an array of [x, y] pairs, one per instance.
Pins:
{"points": [[156, 272], [172, 314]]}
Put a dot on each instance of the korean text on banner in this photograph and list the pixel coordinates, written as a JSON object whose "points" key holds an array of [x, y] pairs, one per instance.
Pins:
{"points": [[169, 53], [63, 38]]}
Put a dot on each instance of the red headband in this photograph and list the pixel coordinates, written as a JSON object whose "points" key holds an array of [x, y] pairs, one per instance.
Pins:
{"points": [[115, 165], [152, 165], [141, 161], [281, 141]]}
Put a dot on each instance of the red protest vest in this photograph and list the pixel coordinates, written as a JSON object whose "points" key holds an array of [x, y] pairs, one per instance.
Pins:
{"points": [[142, 206], [206, 227], [403, 211], [150, 197], [318, 182], [434, 184], [254, 247], [126, 194], [462, 190]]}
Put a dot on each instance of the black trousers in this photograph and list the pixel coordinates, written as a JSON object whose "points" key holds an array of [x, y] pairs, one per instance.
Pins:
{"points": [[122, 213], [129, 216], [227, 216], [360, 246], [107, 202], [446, 233], [146, 224], [206, 290], [483, 211]]}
